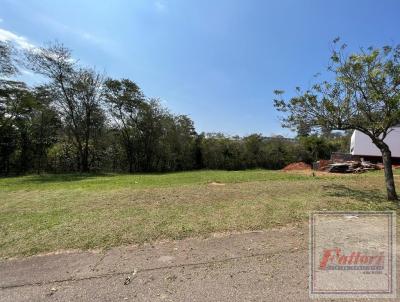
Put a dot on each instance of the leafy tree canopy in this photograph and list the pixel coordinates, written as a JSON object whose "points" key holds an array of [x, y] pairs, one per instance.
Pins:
{"points": [[363, 95]]}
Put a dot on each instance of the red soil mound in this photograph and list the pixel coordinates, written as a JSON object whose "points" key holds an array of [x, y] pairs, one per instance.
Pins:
{"points": [[297, 166]]}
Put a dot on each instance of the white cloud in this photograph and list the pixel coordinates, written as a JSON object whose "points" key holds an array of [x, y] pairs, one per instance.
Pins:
{"points": [[161, 6], [20, 41]]}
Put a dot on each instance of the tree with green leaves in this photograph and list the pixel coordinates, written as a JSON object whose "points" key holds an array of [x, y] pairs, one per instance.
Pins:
{"points": [[124, 100], [45, 126], [152, 128], [28, 127], [180, 138], [77, 94], [363, 95], [11, 92], [318, 147], [8, 65]]}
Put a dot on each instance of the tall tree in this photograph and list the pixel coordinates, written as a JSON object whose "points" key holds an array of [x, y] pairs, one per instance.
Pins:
{"points": [[151, 125], [364, 95], [45, 126], [15, 106], [77, 93], [124, 100], [10, 93], [8, 66]]}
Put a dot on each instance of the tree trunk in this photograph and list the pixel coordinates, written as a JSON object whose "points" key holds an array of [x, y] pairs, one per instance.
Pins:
{"points": [[389, 179], [85, 160], [130, 164], [7, 168]]}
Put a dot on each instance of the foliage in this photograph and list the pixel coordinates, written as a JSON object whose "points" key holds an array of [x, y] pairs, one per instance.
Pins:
{"points": [[363, 95], [7, 60], [82, 121]]}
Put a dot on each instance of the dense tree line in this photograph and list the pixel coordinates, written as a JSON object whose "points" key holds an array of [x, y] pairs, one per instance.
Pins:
{"points": [[79, 120]]}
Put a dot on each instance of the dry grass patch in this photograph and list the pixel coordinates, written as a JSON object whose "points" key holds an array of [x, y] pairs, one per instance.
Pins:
{"points": [[43, 218]]}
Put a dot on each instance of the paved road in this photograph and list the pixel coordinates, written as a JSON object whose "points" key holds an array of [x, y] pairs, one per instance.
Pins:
{"points": [[258, 266]]}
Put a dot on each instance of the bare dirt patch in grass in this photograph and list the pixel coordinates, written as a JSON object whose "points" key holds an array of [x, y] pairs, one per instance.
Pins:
{"points": [[216, 184]]}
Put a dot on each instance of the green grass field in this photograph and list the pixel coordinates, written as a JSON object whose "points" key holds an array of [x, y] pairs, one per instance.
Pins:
{"points": [[52, 212]]}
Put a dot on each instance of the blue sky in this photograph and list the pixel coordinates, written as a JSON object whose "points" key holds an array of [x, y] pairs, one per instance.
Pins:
{"points": [[217, 61]]}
